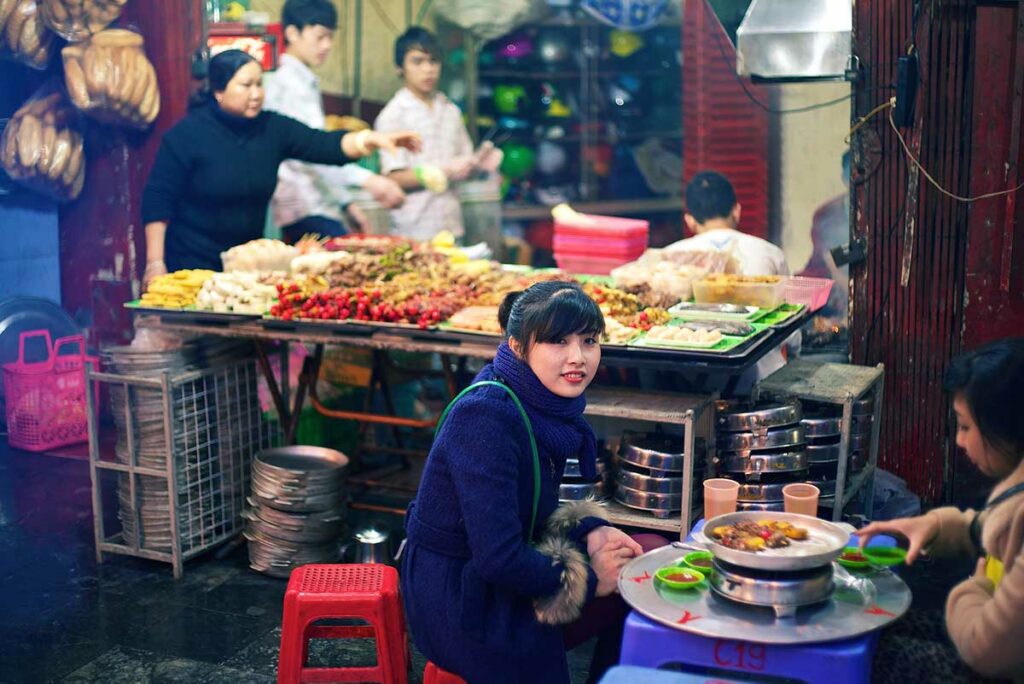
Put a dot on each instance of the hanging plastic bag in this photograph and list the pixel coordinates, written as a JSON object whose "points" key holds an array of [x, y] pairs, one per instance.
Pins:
{"points": [[42, 146], [487, 19], [75, 20], [109, 78], [23, 34], [629, 15]]}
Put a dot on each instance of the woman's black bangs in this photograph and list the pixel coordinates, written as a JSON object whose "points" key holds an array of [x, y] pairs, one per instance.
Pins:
{"points": [[566, 314]]}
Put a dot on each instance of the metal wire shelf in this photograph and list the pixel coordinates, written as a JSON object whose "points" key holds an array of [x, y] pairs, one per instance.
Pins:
{"points": [[181, 464]]}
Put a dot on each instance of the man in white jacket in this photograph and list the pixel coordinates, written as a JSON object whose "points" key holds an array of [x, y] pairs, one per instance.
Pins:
{"points": [[310, 198]]}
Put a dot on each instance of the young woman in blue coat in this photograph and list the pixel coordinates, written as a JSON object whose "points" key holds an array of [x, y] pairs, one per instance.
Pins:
{"points": [[489, 576]]}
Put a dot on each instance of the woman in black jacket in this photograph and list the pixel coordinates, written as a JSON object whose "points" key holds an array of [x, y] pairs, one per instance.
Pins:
{"points": [[217, 168]]}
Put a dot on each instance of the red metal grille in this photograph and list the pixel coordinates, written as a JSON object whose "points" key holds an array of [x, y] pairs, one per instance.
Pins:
{"points": [[723, 130]]}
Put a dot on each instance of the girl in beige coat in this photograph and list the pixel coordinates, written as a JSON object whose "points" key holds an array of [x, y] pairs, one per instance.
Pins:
{"points": [[984, 613]]}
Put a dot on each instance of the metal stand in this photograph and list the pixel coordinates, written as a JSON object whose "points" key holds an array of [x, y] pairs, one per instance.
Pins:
{"points": [[182, 460], [841, 384]]}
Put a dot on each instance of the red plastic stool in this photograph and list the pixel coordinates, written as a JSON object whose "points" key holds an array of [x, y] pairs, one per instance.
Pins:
{"points": [[432, 674], [365, 591]]}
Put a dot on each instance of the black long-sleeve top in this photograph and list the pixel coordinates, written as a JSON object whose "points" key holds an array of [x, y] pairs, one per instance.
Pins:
{"points": [[214, 175]]}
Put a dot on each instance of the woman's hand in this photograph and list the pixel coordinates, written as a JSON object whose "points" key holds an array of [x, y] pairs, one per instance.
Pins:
{"points": [[919, 531], [385, 191], [153, 269], [607, 564], [603, 536], [390, 142], [981, 576]]}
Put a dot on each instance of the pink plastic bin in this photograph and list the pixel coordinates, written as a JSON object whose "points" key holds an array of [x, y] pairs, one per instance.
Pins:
{"points": [[605, 249], [46, 400], [606, 228], [585, 265], [810, 291]]}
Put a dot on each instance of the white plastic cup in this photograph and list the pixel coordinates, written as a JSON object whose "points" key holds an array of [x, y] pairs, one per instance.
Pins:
{"points": [[801, 497], [720, 497]]}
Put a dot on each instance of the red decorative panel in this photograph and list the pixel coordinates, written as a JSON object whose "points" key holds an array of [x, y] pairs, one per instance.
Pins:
{"points": [[723, 130]]}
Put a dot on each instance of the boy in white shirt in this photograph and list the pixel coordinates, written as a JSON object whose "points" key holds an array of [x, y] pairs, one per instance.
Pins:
{"points": [[308, 196], [447, 154], [713, 216]]}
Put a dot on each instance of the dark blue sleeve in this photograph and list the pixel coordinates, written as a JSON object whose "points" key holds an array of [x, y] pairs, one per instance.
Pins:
{"points": [[585, 527], [483, 439]]}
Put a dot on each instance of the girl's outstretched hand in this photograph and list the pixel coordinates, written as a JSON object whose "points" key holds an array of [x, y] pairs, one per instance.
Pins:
{"points": [[919, 531]]}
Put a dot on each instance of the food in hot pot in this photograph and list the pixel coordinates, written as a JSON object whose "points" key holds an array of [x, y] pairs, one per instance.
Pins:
{"points": [[747, 535]]}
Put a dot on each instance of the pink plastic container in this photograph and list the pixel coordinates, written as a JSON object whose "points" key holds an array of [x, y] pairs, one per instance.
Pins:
{"points": [[605, 228], [606, 249], [46, 400], [810, 291], [587, 265]]}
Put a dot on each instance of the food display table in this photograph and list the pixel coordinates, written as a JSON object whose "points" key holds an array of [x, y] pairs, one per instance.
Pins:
{"points": [[693, 412]]}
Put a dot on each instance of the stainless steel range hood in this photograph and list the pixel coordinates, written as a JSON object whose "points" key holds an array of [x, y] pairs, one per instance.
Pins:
{"points": [[795, 39]]}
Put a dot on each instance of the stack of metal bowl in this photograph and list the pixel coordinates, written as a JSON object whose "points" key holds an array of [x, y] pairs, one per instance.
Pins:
{"points": [[297, 508], [823, 425], [139, 415], [575, 487], [650, 472], [761, 445]]}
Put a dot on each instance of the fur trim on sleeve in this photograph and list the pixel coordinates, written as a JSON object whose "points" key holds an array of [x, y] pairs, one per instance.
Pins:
{"points": [[567, 516], [564, 605]]}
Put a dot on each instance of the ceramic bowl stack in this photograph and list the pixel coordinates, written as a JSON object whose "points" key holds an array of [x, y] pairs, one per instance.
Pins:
{"points": [[761, 445], [297, 508], [649, 476], [823, 425], [575, 487]]}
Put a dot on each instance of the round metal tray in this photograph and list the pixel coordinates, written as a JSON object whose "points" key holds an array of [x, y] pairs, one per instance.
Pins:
{"points": [[651, 453], [783, 592], [864, 407], [660, 505], [763, 492], [772, 439], [774, 506], [822, 453], [646, 483], [747, 417], [572, 468], [756, 463], [860, 440], [824, 543], [578, 492], [822, 427], [855, 608]]}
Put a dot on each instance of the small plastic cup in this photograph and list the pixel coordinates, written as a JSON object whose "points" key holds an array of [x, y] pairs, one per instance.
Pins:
{"points": [[801, 497], [720, 497]]}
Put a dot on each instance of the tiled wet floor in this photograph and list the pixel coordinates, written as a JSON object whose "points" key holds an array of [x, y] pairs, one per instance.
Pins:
{"points": [[65, 618]]}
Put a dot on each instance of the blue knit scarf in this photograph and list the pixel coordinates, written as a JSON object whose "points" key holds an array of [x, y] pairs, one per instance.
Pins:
{"points": [[558, 423]]}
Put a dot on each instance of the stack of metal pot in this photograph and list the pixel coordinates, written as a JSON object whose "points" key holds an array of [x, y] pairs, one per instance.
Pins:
{"points": [[823, 426], [762, 446], [297, 508], [575, 487], [649, 476]]}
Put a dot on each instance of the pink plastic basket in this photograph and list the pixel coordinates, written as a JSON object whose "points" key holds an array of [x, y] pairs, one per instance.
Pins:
{"points": [[810, 291], [46, 400]]}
